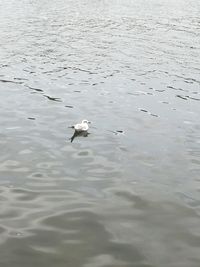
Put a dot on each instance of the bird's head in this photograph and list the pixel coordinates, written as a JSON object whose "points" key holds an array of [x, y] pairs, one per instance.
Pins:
{"points": [[86, 121]]}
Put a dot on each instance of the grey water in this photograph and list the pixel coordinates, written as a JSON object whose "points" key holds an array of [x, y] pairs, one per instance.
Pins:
{"points": [[128, 194]]}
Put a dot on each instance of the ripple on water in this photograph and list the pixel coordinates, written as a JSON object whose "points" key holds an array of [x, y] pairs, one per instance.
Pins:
{"points": [[128, 195]]}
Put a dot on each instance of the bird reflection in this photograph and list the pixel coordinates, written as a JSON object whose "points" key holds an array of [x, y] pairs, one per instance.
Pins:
{"points": [[76, 134]]}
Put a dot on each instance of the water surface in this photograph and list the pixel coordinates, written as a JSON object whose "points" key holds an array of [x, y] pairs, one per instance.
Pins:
{"points": [[128, 194]]}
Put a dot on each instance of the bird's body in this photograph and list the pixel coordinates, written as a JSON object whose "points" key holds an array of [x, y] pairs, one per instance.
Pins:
{"points": [[82, 127]]}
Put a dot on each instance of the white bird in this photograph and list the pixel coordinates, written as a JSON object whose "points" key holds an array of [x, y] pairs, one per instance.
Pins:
{"points": [[82, 127]]}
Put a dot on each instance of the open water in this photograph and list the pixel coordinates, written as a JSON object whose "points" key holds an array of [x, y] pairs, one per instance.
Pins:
{"points": [[128, 195]]}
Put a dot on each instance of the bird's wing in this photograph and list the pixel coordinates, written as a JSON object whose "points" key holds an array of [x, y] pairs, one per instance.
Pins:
{"points": [[81, 127], [78, 127]]}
